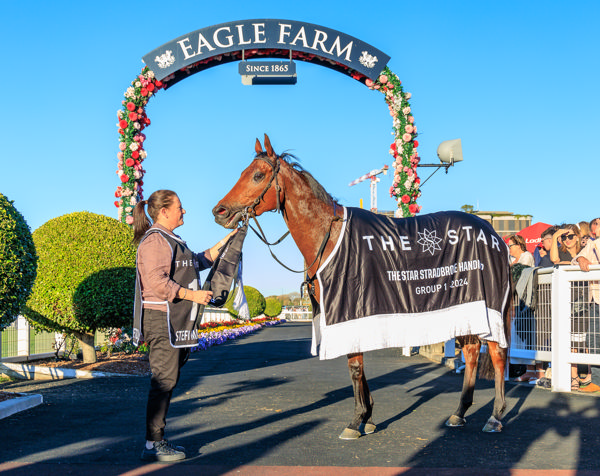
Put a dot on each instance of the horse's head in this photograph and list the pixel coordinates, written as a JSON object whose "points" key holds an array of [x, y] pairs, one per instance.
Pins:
{"points": [[256, 192]]}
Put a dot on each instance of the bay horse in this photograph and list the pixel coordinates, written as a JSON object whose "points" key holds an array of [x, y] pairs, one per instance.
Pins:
{"points": [[273, 182]]}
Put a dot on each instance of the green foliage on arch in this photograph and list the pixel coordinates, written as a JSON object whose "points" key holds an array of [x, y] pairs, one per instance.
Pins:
{"points": [[132, 120]]}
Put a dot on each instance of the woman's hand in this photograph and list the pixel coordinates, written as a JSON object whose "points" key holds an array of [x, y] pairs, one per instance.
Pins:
{"points": [[201, 297], [214, 251]]}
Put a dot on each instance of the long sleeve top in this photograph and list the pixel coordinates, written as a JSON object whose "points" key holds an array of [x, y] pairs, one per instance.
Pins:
{"points": [[154, 258]]}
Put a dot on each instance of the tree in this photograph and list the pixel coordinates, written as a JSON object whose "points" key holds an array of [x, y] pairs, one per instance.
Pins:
{"points": [[256, 302], [273, 307], [18, 262], [467, 208], [86, 277]]}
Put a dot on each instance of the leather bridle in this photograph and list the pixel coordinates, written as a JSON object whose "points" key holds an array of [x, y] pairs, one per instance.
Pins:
{"points": [[251, 212]]}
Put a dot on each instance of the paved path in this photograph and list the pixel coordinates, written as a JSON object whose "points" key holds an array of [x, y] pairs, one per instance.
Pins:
{"points": [[262, 405]]}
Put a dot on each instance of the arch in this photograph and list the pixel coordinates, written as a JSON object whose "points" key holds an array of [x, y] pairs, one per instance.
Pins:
{"points": [[263, 38]]}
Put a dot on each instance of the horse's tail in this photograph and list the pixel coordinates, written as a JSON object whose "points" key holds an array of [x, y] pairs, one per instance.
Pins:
{"points": [[486, 366]]}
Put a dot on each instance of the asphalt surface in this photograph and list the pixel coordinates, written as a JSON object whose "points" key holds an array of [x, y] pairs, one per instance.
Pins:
{"points": [[263, 405]]}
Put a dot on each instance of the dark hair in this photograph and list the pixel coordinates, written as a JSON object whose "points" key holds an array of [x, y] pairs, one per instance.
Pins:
{"points": [[157, 201], [548, 231], [518, 240]]}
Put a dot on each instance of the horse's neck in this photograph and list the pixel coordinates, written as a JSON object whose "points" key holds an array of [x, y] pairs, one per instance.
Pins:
{"points": [[309, 220]]}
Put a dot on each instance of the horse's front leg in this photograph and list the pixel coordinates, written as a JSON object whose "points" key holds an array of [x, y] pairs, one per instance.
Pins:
{"points": [[362, 423], [498, 357], [470, 347]]}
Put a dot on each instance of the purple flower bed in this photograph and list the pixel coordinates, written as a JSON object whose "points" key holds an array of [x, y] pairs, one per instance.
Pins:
{"points": [[208, 339]]}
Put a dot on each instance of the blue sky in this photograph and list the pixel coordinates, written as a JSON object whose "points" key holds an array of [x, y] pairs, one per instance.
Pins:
{"points": [[516, 81]]}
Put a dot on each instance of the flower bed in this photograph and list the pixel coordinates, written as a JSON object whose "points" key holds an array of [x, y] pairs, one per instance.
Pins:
{"points": [[215, 333]]}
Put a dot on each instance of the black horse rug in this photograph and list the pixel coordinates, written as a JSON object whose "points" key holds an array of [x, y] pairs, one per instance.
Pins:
{"points": [[410, 282]]}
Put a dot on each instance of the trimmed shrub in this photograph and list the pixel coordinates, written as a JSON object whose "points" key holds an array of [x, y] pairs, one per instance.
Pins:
{"points": [[86, 275], [18, 262], [256, 302], [273, 307]]}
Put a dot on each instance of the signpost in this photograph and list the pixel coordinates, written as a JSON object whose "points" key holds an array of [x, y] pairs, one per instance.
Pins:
{"points": [[268, 72]]}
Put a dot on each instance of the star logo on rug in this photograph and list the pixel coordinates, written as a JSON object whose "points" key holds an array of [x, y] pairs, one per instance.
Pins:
{"points": [[429, 240]]}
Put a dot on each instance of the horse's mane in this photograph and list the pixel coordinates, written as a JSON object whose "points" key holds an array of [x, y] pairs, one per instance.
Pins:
{"points": [[314, 185]]}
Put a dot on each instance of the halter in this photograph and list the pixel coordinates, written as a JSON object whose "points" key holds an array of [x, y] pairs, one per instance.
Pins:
{"points": [[274, 174], [251, 212]]}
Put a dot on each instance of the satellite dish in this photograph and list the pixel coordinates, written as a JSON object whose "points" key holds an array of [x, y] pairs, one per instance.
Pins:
{"points": [[450, 151]]}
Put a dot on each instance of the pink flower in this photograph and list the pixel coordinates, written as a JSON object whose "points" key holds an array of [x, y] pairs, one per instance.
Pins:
{"points": [[120, 156], [405, 199], [129, 162], [408, 128], [407, 137], [383, 79], [129, 220], [122, 145], [411, 119], [407, 96], [413, 208]]}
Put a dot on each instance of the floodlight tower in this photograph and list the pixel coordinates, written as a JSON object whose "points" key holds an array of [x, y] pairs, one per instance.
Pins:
{"points": [[372, 175]]}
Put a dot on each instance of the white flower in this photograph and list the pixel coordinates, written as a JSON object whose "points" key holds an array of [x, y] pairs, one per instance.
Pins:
{"points": [[150, 74], [130, 93], [133, 146], [138, 84], [137, 125]]}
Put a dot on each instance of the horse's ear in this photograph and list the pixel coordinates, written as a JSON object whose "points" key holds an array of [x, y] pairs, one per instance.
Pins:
{"points": [[269, 148], [258, 147]]}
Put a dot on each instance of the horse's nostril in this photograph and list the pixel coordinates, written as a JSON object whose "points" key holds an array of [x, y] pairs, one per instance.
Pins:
{"points": [[220, 210]]}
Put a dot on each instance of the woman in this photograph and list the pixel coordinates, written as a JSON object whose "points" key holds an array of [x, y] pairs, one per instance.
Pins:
{"points": [[518, 250], [167, 286], [569, 246]]}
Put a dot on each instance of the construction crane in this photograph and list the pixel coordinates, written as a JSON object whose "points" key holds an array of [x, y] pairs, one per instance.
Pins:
{"points": [[374, 179]]}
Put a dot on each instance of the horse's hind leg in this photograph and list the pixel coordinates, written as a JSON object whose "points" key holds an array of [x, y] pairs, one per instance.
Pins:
{"points": [[362, 423], [498, 357], [470, 348]]}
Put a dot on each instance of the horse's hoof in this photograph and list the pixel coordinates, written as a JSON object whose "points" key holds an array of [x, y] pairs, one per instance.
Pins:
{"points": [[492, 426], [455, 421], [367, 428], [349, 434]]}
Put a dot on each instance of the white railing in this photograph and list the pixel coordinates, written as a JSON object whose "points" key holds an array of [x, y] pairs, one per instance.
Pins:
{"points": [[296, 315], [562, 328], [215, 314]]}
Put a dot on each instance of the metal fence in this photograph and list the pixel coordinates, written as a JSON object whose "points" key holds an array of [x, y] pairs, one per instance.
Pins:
{"points": [[562, 323]]}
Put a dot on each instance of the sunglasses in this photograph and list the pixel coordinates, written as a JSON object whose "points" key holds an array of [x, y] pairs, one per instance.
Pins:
{"points": [[568, 237]]}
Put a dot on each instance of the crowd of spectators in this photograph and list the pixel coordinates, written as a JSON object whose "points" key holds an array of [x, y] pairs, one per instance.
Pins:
{"points": [[566, 244]]}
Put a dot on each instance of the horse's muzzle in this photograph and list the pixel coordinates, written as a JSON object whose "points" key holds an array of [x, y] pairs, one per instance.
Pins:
{"points": [[227, 217]]}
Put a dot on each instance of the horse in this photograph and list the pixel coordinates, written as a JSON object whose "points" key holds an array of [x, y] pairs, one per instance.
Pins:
{"points": [[274, 182]]}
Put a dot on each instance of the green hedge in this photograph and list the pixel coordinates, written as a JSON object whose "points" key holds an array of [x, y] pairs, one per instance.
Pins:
{"points": [[273, 307], [18, 262], [256, 302], [86, 274]]}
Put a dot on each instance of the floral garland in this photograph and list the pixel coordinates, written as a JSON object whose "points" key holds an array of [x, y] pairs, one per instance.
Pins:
{"points": [[133, 120], [405, 187]]}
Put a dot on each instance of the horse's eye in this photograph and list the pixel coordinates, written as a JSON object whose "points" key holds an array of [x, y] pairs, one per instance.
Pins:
{"points": [[258, 176]]}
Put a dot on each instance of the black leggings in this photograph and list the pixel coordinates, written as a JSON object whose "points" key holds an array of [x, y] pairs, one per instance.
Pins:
{"points": [[165, 365]]}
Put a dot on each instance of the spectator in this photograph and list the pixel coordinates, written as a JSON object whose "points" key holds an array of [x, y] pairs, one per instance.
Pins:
{"points": [[590, 255], [594, 228], [518, 250], [564, 252], [541, 255], [584, 229]]}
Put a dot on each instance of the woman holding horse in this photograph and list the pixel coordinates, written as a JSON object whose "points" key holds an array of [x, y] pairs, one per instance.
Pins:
{"points": [[167, 286]]}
